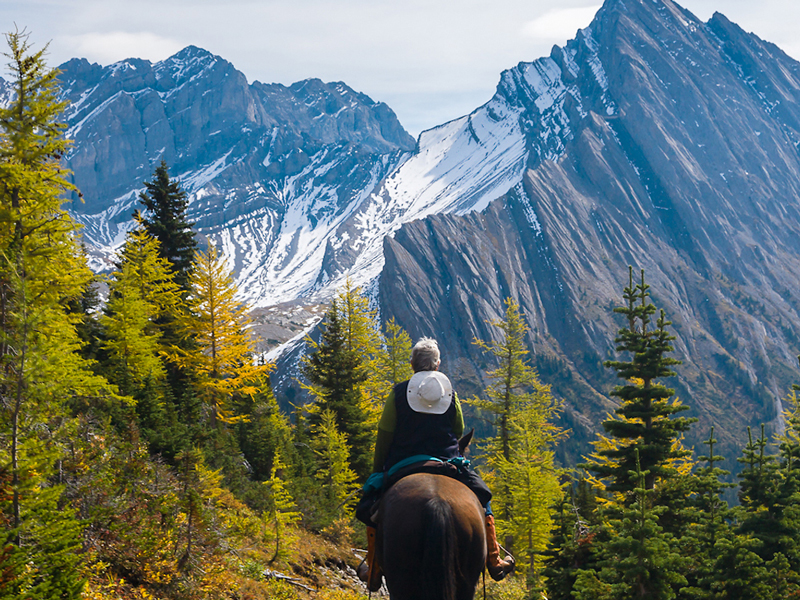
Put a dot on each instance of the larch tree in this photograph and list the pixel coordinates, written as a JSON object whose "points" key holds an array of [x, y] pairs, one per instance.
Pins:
{"points": [[336, 479], [141, 291], [42, 271], [281, 514], [395, 361], [514, 388], [520, 457], [514, 382], [531, 479], [222, 358]]}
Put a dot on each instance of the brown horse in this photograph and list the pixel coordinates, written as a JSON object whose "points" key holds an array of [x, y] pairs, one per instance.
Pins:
{"points": [[431, 539]]}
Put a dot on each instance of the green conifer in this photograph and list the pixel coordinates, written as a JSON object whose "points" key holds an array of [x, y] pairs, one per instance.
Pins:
{"points": [[165, 220], [638, 560], [336, 375], [647, 424]]}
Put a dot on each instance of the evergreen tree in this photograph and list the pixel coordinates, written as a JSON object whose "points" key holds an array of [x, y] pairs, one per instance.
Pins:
{"points": [[571, 546], [647, 424], [336, 375], [266, 433], [165, 220], [770, 498], [42, 272], [708, 524], [638, 560]]}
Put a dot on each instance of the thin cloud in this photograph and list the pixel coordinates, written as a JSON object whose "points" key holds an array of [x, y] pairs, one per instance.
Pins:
{"points": [[560, 24], [113, 46]]}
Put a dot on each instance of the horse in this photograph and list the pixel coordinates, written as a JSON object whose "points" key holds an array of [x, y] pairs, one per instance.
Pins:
{"points": [[431, 538]]}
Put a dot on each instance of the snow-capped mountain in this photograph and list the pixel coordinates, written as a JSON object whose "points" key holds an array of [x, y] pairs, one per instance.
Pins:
{"points": [[653, 140], [299, 185]]}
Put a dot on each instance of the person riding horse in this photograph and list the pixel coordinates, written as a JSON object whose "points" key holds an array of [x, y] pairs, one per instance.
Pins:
{"points": [[422, 416]]}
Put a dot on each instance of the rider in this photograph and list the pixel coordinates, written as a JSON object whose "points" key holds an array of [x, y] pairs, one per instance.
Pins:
{"points": [[422, 416]]}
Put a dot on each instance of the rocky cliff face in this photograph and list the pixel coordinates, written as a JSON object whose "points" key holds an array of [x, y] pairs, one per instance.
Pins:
{"points": [[274, 173], [660, 142]]}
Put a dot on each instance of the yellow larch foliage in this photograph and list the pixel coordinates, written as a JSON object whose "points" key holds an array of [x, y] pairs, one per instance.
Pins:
{"points": [[223, 359]]}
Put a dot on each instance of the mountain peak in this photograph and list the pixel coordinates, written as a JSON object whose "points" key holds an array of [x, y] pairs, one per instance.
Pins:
{"points": [[185, 65]]}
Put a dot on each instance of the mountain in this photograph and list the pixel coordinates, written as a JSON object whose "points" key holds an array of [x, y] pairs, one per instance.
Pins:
{"points": [[270, 169], [652, 139]]}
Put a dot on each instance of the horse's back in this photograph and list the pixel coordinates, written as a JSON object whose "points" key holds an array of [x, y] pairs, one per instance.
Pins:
{"points": [[431, 540]]}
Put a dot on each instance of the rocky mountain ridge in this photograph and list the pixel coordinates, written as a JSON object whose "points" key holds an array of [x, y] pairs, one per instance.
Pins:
{"points": [[687, 165]]}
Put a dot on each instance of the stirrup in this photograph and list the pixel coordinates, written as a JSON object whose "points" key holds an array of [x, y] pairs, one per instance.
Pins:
{"points": [[502, 568]]}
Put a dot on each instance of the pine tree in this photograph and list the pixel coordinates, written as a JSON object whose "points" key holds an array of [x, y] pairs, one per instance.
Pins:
{"points": [[165, 220], [42, 272], [647, 424], [336, 375], [223, 357]]}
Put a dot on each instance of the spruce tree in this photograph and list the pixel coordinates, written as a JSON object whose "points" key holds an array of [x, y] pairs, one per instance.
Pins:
{"points": [[708, 523], [265, 433], [638, 561], [336, 375], [166, 220], [647, 424], [571, 546]]}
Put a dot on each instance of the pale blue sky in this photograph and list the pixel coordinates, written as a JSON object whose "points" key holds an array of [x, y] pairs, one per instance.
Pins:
{"points": [[430, 60]]}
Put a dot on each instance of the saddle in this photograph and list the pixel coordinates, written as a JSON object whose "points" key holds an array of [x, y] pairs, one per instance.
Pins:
{"points": [[379, 483]]}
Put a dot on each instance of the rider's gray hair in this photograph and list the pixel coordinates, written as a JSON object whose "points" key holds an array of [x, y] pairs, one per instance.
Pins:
{"points": [[425, 355]]}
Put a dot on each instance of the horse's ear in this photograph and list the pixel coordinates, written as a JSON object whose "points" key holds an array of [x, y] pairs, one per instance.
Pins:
{"points": [[464, 441]]}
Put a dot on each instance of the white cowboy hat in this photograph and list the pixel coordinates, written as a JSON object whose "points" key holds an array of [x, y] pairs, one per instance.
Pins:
{"points": [[429, 392]]}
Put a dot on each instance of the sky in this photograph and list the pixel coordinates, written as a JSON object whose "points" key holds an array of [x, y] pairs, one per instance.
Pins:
{"points": [[430, 60]]}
